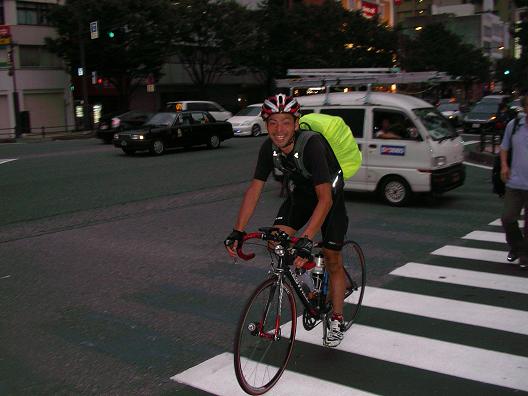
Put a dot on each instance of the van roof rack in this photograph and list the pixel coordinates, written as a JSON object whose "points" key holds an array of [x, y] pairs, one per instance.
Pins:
{"points": [[348, 77]]}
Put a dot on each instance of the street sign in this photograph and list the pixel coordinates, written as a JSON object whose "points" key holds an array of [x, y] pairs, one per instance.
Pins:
{"points": [[5, 35], [94, 30]]}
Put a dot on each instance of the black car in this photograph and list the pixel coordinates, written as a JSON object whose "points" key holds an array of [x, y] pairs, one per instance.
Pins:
{"points": [[168, 129], [110, 124], [482, 117]]}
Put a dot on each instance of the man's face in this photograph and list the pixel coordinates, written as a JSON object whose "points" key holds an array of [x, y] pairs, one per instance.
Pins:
{"points": [[281, 128]]}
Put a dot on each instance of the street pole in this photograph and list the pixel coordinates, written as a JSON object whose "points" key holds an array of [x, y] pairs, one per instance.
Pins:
{"points": [[16, 103], [87, 113]]}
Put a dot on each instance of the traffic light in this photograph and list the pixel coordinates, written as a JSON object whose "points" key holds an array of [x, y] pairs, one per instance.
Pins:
{"points": [[99, 81], [506, 72], [111, 34]]}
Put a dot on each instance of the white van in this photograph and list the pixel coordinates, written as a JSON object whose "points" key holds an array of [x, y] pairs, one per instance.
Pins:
{"points": [[213, 108], [426, 156]]}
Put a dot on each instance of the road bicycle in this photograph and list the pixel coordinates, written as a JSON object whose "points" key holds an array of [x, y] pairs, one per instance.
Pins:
{"points": [[266, 331]]}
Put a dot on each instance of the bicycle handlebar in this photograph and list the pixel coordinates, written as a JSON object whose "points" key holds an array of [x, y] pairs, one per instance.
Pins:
{"points": [[267, 236]]}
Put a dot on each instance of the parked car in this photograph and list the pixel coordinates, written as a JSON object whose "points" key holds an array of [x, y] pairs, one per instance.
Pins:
{"points": [[515, 105], [453, 112], [213, 108], [481, 117], [248, 122], [110, 124], [167, 130], [494, 98]]}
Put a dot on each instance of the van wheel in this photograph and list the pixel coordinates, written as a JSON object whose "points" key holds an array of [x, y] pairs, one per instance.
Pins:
{"points": [[157, 147], [395, 191]]}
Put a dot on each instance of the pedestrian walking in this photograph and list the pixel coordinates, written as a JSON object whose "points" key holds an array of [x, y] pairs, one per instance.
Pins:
{"points": [[514, 173]]}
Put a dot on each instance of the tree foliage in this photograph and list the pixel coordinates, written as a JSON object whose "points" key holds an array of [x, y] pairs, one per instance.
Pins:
{"points": [[139, 48], [436, 48]]}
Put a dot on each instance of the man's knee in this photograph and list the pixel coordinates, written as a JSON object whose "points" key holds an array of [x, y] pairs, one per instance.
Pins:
{"points": [[333, 260]]}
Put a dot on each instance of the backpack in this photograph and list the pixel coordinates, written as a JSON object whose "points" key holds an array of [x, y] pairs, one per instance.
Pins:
{"points": [[499, 187], [337, 134]]}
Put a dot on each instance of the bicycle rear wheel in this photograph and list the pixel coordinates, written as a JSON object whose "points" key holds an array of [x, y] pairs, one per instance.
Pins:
{"points": [[356, 277], [265, 336]]}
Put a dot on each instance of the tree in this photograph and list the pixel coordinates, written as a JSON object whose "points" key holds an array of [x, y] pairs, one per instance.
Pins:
{"points": [[138, 48], [209, 36], [316, 36], [436, 48]]}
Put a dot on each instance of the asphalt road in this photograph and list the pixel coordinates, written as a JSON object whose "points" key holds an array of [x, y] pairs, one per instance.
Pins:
{"points": [[113, 276]]}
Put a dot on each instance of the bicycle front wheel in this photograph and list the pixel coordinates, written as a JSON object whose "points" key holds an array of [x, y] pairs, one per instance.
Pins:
{"points": [[265, 336], [355, 280]]}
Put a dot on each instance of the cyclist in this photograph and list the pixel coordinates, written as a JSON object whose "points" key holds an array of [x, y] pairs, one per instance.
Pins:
{"points": [[317, 202]]}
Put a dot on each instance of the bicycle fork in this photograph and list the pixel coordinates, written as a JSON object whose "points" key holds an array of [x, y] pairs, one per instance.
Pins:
{"points": [[274, 334]]}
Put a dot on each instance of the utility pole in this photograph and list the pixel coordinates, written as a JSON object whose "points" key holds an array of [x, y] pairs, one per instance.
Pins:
{"points": [[87, 112], [16, 103]]}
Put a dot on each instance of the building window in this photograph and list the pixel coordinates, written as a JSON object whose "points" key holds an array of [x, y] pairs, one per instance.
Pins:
{"points": [[30, 13], [37, 56]]}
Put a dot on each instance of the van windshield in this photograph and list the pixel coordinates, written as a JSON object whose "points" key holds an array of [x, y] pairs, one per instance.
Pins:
{"points": [[437, 125]]}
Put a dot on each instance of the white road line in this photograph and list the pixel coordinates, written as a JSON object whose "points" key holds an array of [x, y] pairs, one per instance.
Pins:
{"points": [[217, 376], [486, 236], [496, 256], [458, 360], [457, 276], [499, 223], [4, 161], [492, 317], [477, 165]]}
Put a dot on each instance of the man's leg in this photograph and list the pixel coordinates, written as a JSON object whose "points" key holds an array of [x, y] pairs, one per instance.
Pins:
{"points": [[513, 203], [334, 265]]}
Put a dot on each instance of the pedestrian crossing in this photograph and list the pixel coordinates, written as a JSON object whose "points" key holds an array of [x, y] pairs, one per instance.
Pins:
{"points": [[451, 360]]}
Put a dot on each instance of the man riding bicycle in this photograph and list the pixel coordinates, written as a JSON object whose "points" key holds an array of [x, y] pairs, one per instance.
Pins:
{"points": [[317, 201]]}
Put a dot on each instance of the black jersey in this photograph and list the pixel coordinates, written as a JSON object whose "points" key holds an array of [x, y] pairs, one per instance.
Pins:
{"points": [[318, 158]]}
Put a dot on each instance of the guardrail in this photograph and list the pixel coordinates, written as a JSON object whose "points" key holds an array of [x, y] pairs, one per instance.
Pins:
{"points": [[42, 131]]}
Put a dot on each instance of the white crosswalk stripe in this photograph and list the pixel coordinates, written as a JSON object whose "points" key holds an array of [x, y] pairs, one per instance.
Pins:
{"points": [[496, 256], [217, 376], [472, 363], [486, 236], [457, 276], [498, 222]]}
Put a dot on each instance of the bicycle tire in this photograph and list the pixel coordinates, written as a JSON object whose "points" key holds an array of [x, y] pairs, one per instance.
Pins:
{"points": [[270, 366], [356, 279]]}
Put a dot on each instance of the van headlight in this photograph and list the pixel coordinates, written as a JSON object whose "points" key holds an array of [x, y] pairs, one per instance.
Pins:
{"points": [[439, 161]]}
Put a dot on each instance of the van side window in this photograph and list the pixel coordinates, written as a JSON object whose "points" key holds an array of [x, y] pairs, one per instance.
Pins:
{"points": [[390, 124], [354, 118], [211, 107]]}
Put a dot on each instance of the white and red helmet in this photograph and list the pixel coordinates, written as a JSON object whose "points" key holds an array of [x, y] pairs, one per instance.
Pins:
{"points": [[280, 103]]}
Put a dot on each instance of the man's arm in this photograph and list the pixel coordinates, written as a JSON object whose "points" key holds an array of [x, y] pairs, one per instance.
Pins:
{"points": [[324, 203], [505, 168], [249, 203]]}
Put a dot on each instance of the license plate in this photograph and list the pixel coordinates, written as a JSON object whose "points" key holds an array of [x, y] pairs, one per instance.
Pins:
{"points": [[475, 126], [123, 143]]}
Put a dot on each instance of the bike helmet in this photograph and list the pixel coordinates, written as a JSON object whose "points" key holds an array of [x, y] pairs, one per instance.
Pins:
{"points": [[280, 103]]}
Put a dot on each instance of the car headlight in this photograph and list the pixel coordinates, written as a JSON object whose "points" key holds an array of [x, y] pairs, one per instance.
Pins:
{"points": [[116, 136], [137, 137], [451, 116], [492, 118]]}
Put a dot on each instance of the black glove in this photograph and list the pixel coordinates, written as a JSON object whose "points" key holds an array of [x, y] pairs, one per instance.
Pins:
{"points": [[235, 236], [304, 247]]}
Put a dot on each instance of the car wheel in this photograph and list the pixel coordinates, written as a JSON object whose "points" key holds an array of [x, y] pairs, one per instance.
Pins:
{"points": [[128, 151], [214, 141], [256, 130], [395, 191], [158, 147]]}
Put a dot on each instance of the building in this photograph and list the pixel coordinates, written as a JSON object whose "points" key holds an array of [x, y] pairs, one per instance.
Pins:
{"points": [[29, 72], [383, 8]]}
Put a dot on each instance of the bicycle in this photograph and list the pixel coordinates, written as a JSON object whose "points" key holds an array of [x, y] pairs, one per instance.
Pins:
{"points": [[266, 331]]}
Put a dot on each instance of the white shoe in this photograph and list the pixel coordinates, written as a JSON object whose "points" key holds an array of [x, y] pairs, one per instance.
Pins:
{"points": [[334, 336]]}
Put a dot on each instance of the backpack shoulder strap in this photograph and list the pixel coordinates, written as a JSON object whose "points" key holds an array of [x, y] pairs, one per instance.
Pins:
{"points": [[298, 150]]}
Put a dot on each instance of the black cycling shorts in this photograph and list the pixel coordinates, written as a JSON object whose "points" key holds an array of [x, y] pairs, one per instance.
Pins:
{"points": [[298, 208]]}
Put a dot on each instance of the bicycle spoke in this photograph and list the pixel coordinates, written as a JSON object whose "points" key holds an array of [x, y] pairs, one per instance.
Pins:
{"points": [[355, 279], [262, 354]]}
